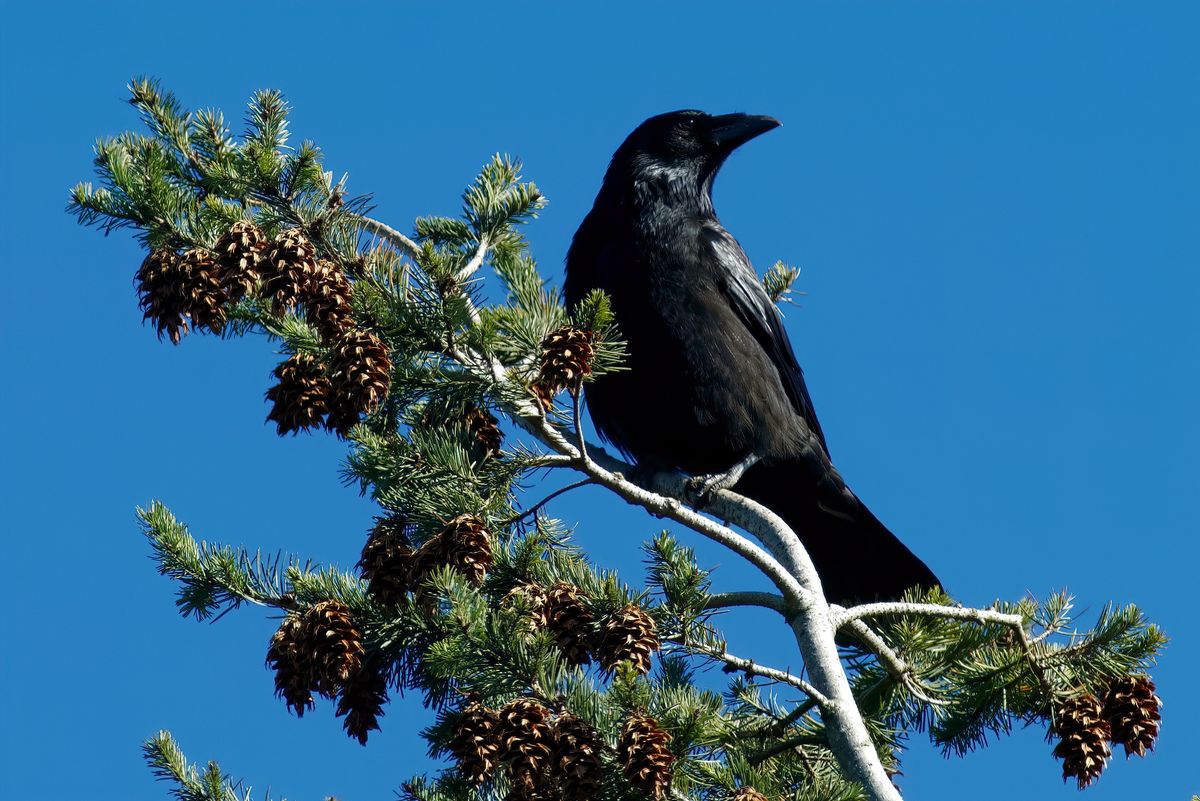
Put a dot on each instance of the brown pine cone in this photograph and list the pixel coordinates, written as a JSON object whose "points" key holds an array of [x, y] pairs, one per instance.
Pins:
{"points": [[327, 301], [1132, 709], [1083, 739], [629, 635], [476, 743], [525, 738], [162, 287], [748, 794], [361, 702], [300, 399], [288, 270], [204, 295], [575, 759], [484, 428], [360, 374], [571, 622], [644, 756], [386, 562], [333, 645], [531, 596], [467, 547], [566, 360], [239, 257], [293, 672]]}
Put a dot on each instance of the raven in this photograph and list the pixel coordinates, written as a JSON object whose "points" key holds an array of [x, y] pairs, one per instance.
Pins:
{"points": [[712, 387]]}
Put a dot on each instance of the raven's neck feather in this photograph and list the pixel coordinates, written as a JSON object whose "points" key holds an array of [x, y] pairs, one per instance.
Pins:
{"points": [[651, 184]]}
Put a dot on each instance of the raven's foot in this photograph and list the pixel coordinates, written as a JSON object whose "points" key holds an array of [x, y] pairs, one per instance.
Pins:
{"points": [[705, 487]]}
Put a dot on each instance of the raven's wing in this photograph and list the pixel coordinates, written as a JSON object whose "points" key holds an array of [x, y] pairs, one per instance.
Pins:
{"points": [[761, 317]]}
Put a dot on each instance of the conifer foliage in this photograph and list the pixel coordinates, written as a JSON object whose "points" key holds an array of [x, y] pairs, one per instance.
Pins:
{"points": [[551, 678]]}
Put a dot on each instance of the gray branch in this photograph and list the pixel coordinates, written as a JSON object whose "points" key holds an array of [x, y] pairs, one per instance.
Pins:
{"points": [[767, 600], [385, 231]]}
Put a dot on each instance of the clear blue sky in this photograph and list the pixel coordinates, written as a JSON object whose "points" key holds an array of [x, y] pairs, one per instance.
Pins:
{"points": [[995, 206]]}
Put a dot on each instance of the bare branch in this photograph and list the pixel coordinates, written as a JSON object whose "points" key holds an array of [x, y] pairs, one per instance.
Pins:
{"points": [[475, 262], [385, 231], [842, 616], [767, 600], [750, 667]]}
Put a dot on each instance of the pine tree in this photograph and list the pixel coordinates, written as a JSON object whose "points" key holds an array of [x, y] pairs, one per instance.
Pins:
{"points": [[550, 677]]}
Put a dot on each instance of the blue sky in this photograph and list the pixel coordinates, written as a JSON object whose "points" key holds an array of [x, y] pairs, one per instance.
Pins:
{"points": [[995, 207]]}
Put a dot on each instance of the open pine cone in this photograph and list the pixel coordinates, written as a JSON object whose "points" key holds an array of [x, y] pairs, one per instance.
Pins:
{"points": [[476, 743], [645, 758], [239, 254], [288, 270], [571, 622], [1083, 739], [293, 676], [162, 282], [360, 373], [300, 399], [525, 739], [629, 635], [575, 759], [1132, 709], [386, 561], [361, 702], [566, 360]]}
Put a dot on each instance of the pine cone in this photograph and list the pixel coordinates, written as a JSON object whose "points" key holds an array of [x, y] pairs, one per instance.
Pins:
{"points": [[571, 622], [464, 544], [360, 373], [485, 429], [748, 794], [300, 399], [327, 301], [387, 560], [288, 270], [333, 645], [629, 635], [645, 758], [533, 598], [525, 738], [479, 424], [575, 759], [293, 676], [162, 286], [361, 702], [1083, 739], [239, 257], [467, 547], [204, 296], [476, 743], [1132, 709], [566, 361]]}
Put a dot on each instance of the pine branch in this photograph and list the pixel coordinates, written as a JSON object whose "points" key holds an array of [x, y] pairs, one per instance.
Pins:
{"points": [[213, 578], [168, 764]]}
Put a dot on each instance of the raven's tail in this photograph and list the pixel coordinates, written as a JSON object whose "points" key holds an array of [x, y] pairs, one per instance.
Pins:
{"points": [[858, 558]]}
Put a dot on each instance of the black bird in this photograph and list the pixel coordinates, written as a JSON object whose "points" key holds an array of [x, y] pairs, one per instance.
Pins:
{"points": [[713, 388]]}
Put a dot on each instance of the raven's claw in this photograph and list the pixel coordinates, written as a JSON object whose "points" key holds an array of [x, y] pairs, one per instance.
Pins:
{"points": [[705, 487]]}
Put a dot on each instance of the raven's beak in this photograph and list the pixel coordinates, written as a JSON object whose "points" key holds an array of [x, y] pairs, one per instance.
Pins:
{"points": [[731, 131]]}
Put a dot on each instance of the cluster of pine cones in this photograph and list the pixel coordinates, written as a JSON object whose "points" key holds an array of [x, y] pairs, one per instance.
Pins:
{"points": [[195, 289], [393, 568], [320, 650], [1128, 715], [557, 756], [628, 635]]}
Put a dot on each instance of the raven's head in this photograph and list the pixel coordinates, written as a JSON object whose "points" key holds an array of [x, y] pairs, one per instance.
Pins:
{"points": [[677, 154]]}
